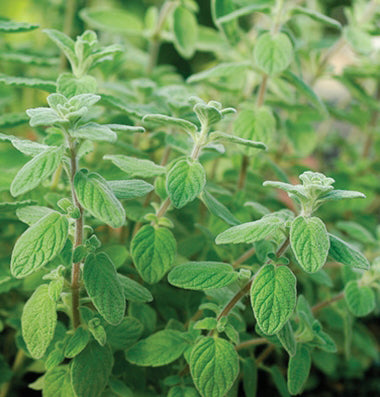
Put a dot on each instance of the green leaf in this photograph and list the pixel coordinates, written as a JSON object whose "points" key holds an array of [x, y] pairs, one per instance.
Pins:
{"points": [[159, 349], [153, 251], [310, 243], [38, 321], [130, 189], [94, 132], [76, 342], [217, 208], [10, 120], [317, 16], [207, 113], [39, 244], [273, 53], [242, 11], [251, 231], [133, 291], [287, 339], [135, 167], [104, 287], [29, 148], [185, 181], [219, 9], [29, 82], [7, 26], [32, 213], [170, 122], [43, 117], [185, 29], [345, 253], [125, 334], [69, 85], [340, 195], [182, 391], [214, 366], [202, 275], [36, 171], [220, 136], [97, 198], [273, 297], [298, 370], [97, 331], [360, 299], [91, 370], [57, 382], [250, 377], [279, 381], [65, 43], [120, 388], [220, 71]]}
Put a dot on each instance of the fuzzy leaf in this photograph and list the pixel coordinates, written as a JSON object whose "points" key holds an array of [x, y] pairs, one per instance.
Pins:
{"points": [[29, 82], [125, 334], [287, 339], [104, 287], [159, 349], [135, 167], [57, 382], [360, 299], [36, 171], [134, 291], [310, 243], [202, 275], [153, 251], [64, 42], [214, 366], [185, 181], [218, 209], [76, 342], [39, 244], [221, 136], [29, 148], [185, 29], [97, 198], [344, 253], [32, 213], [273, 53], [130, 189], [170, 122], [91, 370], [38, 321], [273, 297], [7, 26], [94, 132], [317, 16], [340, 195], [298, 370]]}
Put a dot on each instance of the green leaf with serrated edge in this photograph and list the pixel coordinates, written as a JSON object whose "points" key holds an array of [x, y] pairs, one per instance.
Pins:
{"points": [[182, 391], [250, 377], [125, 334], [273, 297], [153, 251], [185, 181], [91, 369], [39, 244], [69, 85], [38, 321], [360, 299], [36, 171], [130, 189], [57, 382], [202, 275], [251, 231], [298, 370], [218, 209], [287, 339], [159, 349], [340, 195], [135, 167], [76, 342], [273, 53], [29, 82], [185, 29], [310, 242], [220, 136], [317, 16], [133, 291], [94, 132], [170, 122], [29, 148], [32, 213], [104, 287], [65, 44], [214, 366], [345, 253], [7, 26], [97, 198], [305, 90]]}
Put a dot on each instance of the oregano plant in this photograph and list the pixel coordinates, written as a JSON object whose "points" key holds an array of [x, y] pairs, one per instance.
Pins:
{"points": [[189, 199]]}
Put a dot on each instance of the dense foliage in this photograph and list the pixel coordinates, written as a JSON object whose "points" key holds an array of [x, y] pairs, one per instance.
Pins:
{"points": [[189, 198]]}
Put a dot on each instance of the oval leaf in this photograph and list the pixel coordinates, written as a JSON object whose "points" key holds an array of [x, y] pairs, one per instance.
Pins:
{"points": [[298, 370], [185, 30], [202, 275], [310, 242], [57, 383], [273, 297], [104, 288], [39, 244], [360, 299]]}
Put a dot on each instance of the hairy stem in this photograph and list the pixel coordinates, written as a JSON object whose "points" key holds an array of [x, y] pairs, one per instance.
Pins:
{"points": [[250, 343], [78, 240]]}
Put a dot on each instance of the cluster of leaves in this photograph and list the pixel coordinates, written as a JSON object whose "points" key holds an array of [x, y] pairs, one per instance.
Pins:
{"points": [[165, 242]]}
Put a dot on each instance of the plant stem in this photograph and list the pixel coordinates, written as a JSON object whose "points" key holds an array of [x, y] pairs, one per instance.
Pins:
{"points": [[244, 257], [250, 343], [268, 350], [327, 302], [17, 364], [78, 240]]}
